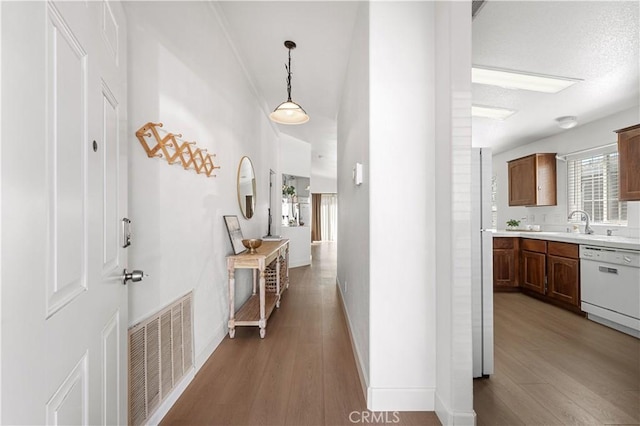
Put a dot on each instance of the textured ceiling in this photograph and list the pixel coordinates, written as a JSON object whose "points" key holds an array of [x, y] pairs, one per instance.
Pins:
{"points": [[593, 41]]}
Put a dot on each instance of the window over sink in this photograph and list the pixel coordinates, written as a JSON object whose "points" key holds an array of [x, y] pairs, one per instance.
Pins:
{"points": [[592, 186]]}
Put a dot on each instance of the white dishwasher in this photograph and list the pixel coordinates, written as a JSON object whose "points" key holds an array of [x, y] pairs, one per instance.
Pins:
{"points": [[610, 287]]}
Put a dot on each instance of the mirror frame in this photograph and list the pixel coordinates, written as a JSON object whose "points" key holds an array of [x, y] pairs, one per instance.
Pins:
{"points": [[241, 201]]}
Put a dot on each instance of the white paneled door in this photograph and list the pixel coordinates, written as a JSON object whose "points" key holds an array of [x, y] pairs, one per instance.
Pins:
{"points": [[64, 180]]}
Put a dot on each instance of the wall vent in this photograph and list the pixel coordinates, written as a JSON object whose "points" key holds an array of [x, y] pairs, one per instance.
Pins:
{"points": [[160, 353]]}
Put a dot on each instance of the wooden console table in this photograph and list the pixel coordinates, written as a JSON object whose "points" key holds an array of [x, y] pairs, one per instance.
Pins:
{"points": [[271, 259]]}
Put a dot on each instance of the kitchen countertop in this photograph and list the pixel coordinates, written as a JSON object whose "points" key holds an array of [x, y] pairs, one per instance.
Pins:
{"points": [[584, 239]]}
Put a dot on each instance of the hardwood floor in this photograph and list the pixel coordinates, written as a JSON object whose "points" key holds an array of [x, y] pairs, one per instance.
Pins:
{"points": [[553, 367], [302, 373]]}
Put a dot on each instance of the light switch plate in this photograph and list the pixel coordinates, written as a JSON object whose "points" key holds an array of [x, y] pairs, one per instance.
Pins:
{"points": [[357, 174]]}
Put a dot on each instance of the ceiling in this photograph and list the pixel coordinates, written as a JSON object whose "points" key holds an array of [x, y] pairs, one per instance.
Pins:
{"points": [[322, 32], [593, 41]]}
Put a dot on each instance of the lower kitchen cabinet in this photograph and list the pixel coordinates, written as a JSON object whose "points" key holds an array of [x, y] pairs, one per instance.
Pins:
{"points": [[505, 263], [563, 279], [534, 269], [546, 270], [563, 272]]}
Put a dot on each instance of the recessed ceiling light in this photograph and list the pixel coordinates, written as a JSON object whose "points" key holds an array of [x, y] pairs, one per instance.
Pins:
{"points": [[491, 112], [567, 122], [510, 79]]}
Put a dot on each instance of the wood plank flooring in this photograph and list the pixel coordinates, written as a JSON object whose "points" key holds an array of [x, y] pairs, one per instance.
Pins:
{"points": [[553, 367], [302, 373]]}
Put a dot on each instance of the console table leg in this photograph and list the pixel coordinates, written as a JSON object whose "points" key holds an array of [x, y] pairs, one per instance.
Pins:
{"points": [[232, 291]]}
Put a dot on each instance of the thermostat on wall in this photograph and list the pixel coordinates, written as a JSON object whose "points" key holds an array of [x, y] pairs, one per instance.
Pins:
{"points": [[357, 174]]}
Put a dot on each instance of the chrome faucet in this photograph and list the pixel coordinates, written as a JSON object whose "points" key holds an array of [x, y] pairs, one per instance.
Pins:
{"points": [[587, 228]]}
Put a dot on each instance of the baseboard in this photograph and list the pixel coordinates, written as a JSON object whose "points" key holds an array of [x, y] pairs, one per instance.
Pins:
{"points": [[414, 399], [218, 335], [363, 380], [296, 263], [448, 417], [202, 357], [166, 405]]}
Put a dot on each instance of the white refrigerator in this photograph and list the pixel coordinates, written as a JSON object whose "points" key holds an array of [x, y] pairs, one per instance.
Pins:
{"points": [[481, 262]]}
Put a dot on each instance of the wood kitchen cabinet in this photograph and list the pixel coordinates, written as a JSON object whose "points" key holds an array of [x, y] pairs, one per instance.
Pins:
{"points": [[563, 272], [532, 180], [533, 259], [506, 256], [629, 163]]}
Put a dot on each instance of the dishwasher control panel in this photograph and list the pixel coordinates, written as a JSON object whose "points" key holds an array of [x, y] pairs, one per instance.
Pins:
{"points": [[611, 255]]}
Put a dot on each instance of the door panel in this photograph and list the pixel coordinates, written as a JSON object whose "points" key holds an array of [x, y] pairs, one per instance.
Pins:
{"points": [[67, 180], [110, 172], [564, 281], [69, 405], [533, 271], [111, 385]]}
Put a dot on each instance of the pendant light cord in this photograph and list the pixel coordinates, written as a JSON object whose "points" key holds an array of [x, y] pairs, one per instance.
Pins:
{"points": [[288, 68]]}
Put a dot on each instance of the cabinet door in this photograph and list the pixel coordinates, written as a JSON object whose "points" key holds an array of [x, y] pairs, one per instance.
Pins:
{"points": [[546, 182], [504, 268], [629, 163], [563, 277], [522, 181], [533, 271]]}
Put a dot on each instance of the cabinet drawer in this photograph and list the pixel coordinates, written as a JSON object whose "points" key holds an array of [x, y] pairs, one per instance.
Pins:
{"points": [[563, 249], [503, 242], [539, 246]]}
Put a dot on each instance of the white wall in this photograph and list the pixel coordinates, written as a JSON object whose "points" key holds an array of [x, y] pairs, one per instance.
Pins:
{"points": [[402, 256], [183, 73], [409, 360], [323, 185], [295, 156], [353, 201], [590, 135], [452, 165], [295, 159]]}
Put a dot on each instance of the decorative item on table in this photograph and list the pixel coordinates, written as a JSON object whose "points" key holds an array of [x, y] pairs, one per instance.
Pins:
{"points": [[252, 244], [513, 225], [235, 233]]}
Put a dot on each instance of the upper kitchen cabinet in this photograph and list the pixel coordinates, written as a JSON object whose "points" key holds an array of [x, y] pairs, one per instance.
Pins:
{"points": [[629, 163], [532, 180]]}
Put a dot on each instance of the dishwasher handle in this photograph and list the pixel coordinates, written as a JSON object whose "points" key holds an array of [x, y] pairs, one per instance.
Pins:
{"points": [[608, 270]]}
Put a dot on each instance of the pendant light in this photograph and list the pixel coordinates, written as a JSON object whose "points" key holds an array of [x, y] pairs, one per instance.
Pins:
{"points": [[289, 112]]}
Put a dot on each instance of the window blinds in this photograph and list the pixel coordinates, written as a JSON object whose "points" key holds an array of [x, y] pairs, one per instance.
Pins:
{"points": [[592, 186]]}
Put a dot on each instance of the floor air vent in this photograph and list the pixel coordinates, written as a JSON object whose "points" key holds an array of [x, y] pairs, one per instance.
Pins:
{"points": [[160, 353]]}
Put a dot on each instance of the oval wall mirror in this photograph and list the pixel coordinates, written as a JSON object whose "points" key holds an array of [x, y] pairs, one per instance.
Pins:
{"points": [[246, 187]]}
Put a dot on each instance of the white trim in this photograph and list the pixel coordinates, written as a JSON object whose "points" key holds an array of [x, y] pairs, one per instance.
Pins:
{"points": [[589, 152], [398, 399], [164, 407], [447, 417], [359, 364], [218, 336], [171, 399], [1, 211], [224, 25]]}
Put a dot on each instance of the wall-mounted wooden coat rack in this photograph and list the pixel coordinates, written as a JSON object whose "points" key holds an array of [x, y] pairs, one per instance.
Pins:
{"points": [[172, 148]]}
